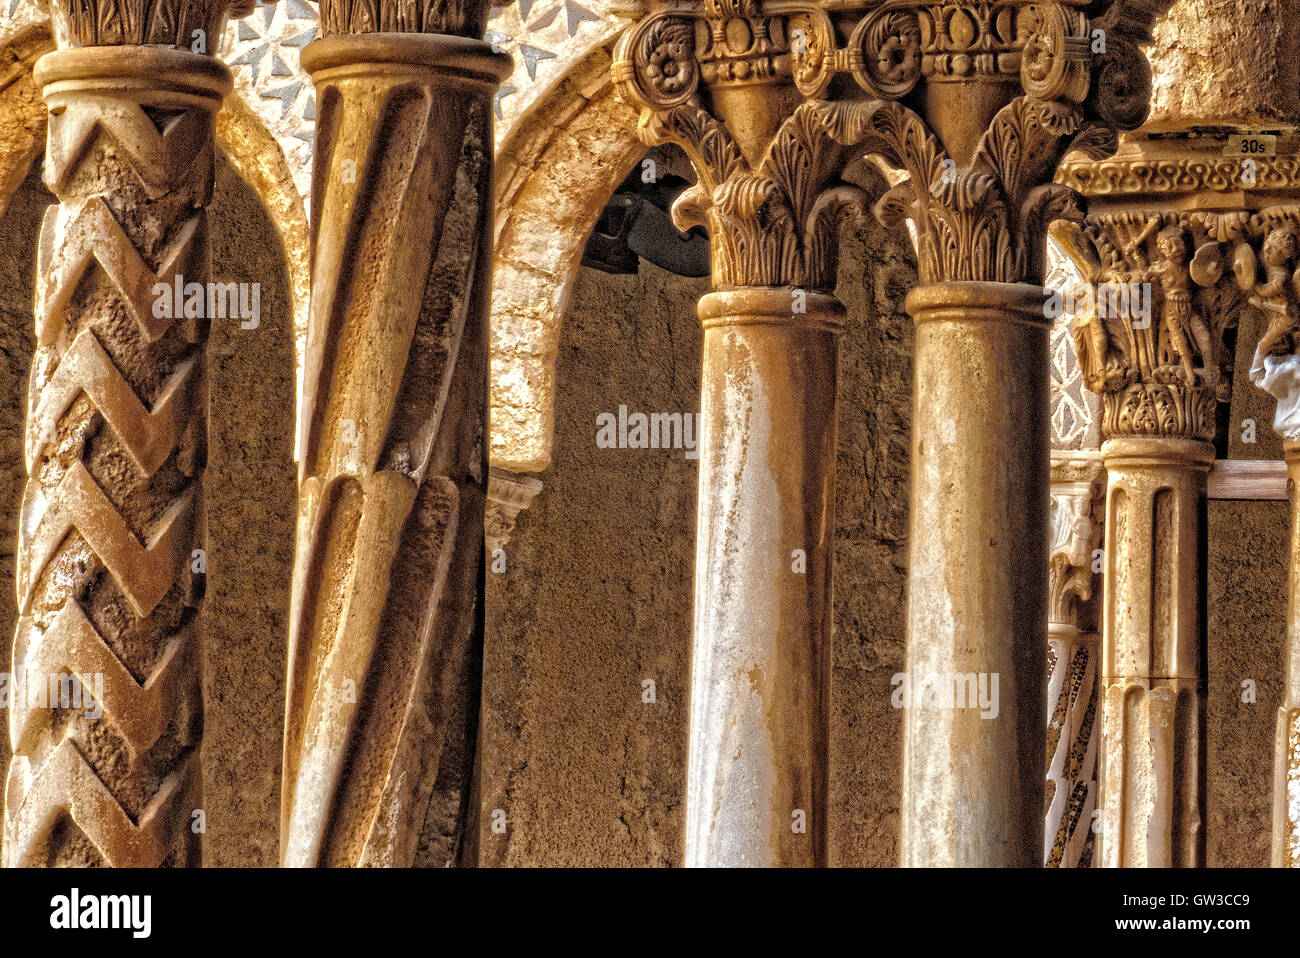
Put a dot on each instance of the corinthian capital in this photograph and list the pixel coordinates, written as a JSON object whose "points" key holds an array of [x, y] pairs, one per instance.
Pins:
{"points": [[463, 18], [191, 25], [976, 102]]}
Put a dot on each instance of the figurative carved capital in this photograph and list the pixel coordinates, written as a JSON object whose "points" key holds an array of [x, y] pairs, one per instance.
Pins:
{"points": [[1273, 282], [1161, 290]]}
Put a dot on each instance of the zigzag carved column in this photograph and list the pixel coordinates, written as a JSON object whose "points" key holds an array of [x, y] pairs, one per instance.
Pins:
{"points": [[1072, 648], [115, 445], [769, 102], [388, 578]]}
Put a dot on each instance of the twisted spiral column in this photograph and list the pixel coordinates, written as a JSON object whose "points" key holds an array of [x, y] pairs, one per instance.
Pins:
{"points": [[387, 602]]}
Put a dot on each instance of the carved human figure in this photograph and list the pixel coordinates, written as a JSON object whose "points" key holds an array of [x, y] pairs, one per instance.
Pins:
{"points": [[1276, 296], [1093, 341], [1182, 322]]}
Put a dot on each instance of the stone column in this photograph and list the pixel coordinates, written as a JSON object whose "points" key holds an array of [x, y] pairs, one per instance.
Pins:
{"points": [[1150, 338], [110, 556], [385, 632], [1173, 219], [972, 774], [760, 695], [1072, 660], [1148, 334], [980, 160], [1286, 768], [1153, 723], [718, 82], [725, 81], [1182, 230]]}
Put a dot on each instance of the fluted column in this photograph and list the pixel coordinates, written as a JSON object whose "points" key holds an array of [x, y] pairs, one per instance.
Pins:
{"points": [[387, 601], [1178, 239], [1072, 660], [110, 556], [1153, 723], [1194, 213]]}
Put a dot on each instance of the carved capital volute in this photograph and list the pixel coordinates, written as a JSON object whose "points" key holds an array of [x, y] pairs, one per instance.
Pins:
{"points": [[976, 102]]}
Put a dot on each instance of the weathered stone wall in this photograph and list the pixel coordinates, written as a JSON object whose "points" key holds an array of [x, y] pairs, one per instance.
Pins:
{"points": [[252, 495], [1246, 600]]}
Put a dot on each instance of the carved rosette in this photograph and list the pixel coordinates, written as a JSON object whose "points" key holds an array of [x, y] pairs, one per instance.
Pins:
{"points": [[769, 197], [110, 560]]}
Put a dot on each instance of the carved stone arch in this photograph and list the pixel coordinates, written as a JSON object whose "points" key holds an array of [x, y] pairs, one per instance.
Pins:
{"points": [[22, 132], [555, 172]]}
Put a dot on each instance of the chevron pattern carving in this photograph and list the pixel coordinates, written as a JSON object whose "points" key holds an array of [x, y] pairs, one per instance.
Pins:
{"points": [[113, 508]]}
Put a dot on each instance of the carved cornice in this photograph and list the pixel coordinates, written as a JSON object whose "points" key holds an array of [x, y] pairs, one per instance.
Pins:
{"points": [[1144, 175], [95, 23], [1052, 79]]}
